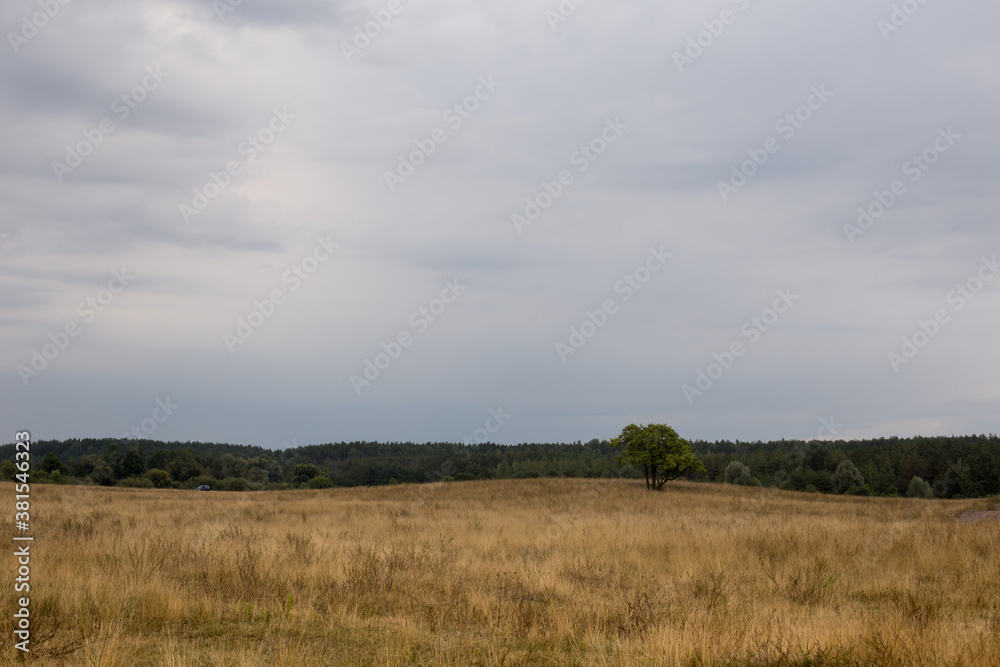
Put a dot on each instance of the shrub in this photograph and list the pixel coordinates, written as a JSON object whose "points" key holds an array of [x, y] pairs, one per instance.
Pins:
{"points": [[737, 473], [159, 478], [234, 484], [464, 477], [51, 463], [303, 472], [103, 475], [919, 488], [847, 478], [137, 482], [320, 482]]}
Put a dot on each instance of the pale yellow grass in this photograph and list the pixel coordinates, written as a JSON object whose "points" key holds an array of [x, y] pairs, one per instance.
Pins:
{"points": [[547, 572]]}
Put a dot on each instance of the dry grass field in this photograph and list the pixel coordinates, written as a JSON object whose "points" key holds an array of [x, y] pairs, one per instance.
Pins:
{"points": [[526, 572]]}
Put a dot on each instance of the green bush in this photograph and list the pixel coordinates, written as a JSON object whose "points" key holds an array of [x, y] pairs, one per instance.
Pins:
{"points": [[919, 488], [234, 484], [159, 478], [737, 473], [320, 482], [103, 475], [305, 472], [847, 478]]}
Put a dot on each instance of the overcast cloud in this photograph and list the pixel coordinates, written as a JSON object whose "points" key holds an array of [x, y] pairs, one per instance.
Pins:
{"points": [[618, 121]]}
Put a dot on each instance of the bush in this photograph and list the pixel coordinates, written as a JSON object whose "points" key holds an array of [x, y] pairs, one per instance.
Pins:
{"points": [[320, 482], [848, 478], [304, 472], [234, 484], [919, 488], [737, 473], [159, 478], [51, 463], [464, 477], [103, 475]]}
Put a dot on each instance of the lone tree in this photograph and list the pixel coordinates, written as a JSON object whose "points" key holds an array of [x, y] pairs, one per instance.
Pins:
{"points": [[659, 451]]}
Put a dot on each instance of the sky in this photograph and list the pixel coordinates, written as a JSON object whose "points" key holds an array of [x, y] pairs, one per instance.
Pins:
{"points": [[287, 222]]}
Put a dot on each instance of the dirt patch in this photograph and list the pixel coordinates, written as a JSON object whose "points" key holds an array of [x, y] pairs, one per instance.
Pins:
{"points": [[968, 516]]}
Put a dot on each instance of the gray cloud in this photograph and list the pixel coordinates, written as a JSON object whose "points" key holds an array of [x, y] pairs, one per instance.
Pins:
{"points": [[323, 176]]}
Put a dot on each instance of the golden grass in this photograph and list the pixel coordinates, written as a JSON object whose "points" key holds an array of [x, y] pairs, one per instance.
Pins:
{"points": [[547, 572]]}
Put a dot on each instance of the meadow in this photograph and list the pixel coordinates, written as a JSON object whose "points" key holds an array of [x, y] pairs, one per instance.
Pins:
{"points": [[506, 572]]}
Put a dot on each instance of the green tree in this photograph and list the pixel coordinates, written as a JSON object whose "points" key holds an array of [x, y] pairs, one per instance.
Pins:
{"points": [[304, 472], [159, 478], [51, 463], [659, 451], [919, 489], [134, 462], [103, 475], [114, 459], [320, 482], [184, 466], [737, 473], [847, 478]]}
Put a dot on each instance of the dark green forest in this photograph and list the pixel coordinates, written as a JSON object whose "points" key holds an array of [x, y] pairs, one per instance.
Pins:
{"points": [[942, 467]]}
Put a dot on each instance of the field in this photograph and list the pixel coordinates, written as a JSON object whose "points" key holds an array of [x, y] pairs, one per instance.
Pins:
{"points": [[524, 572]]}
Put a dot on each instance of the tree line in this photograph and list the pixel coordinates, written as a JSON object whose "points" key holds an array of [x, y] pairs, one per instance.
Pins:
{"points": [[943, 467]]}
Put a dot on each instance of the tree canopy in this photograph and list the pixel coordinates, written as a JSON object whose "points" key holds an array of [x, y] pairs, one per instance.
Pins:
{"points": [[659, 451]]}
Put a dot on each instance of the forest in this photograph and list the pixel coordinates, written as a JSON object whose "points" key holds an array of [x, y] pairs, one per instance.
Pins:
{"points": [[942, 467]]}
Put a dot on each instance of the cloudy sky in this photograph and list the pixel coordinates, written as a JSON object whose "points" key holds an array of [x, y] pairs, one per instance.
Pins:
{"points": [[304, 221]]}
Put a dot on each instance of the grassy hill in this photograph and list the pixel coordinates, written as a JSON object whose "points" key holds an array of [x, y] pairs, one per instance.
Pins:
{"points": [[508, 572]]}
